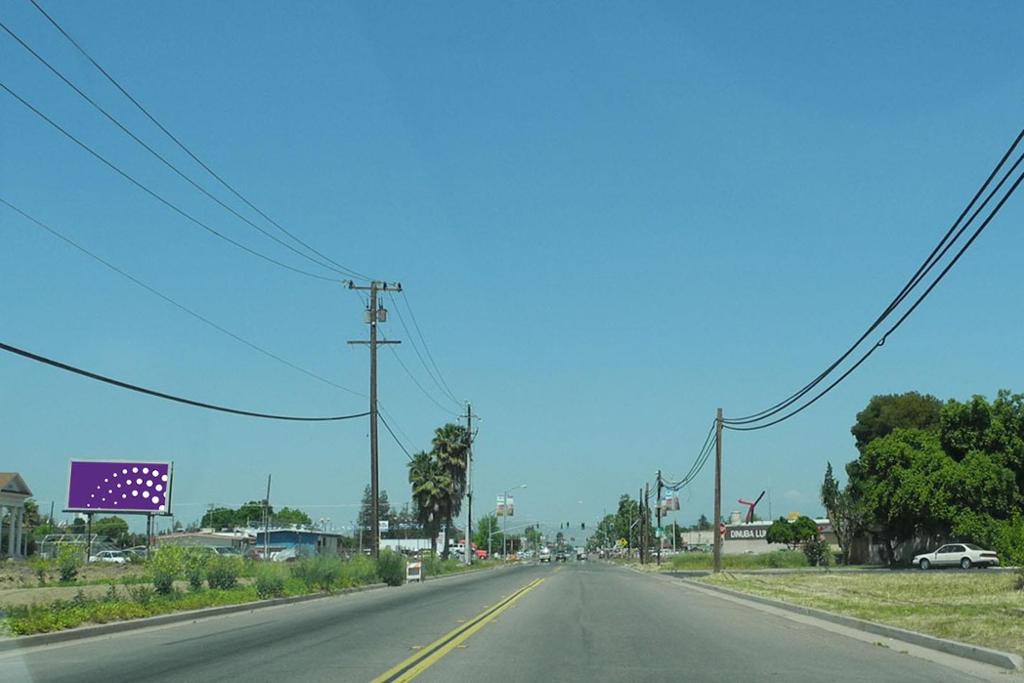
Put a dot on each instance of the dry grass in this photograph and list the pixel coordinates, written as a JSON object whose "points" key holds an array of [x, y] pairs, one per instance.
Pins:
{"points": [[976, 607]]}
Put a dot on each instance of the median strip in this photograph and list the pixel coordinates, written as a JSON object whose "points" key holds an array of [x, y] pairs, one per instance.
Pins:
{"points": [[431, 654]]}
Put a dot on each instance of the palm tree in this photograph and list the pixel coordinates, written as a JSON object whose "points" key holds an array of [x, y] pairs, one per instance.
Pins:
{"points": [[431, 488], [451, 452]]}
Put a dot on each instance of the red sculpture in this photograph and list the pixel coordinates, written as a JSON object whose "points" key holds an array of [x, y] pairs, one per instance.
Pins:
{"points": [[750, 507]]}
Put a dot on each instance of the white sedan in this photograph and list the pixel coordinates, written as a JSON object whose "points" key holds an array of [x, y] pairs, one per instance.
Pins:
{"points": [[112, 556], [966, 555]]}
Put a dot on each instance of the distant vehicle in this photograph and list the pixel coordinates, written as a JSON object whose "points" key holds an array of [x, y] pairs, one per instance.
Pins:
{"points": [[560, 556], [545, 554], [481, 554], [966, 555], [581, 555], [111, 556]]}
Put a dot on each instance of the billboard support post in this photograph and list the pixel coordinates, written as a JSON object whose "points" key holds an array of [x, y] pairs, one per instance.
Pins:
{"points": [[88, 537]]}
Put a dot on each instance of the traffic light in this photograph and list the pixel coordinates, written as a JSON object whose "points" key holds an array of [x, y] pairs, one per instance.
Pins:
{"points": [[583, 526]]}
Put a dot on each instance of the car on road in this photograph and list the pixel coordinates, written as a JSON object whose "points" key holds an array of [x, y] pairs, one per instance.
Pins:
{"points": [[545, 554], [581, 555], [111, 556], [560, 556], [966, 555]]}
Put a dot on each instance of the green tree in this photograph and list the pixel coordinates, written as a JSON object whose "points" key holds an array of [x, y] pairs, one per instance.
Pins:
{"points": [[897, 478], [364, 520], [450, 448], [488, 533], [431, 487], [533, 537], [114, 528], [781, 531], [703, 524], [287, 516], [845, 512], [883, 414]]}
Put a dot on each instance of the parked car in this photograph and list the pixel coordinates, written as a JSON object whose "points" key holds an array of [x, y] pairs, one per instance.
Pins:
{"points": [[966, 555], [481, 554], [112, 556]]}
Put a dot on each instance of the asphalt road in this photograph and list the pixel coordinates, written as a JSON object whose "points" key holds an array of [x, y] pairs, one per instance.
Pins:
{"points": [[572, 622]]}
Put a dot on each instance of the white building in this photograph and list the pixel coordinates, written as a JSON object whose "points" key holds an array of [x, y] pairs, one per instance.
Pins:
{"points": [[13, 494]]}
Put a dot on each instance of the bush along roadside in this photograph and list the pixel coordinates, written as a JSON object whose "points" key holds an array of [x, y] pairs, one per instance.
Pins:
{"points": [[212, 581]]}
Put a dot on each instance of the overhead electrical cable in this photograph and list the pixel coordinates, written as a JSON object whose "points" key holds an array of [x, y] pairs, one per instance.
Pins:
{"points": [[937, 253], [394, 436], [169, 397], [158, 197], [417, 382], [164, 160], [415, 347], [415, 323], [198, 316], [177, 141], [881, 342]]}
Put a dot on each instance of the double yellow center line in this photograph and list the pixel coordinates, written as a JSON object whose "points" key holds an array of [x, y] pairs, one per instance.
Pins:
{"points": [[431, 654]]}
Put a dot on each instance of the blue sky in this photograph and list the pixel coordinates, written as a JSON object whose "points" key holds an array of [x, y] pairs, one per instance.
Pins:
{"points": [[609, 219]]}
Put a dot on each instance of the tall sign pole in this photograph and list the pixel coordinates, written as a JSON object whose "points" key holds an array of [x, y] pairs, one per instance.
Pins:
{"points": [[717, 522], [375, 314]]}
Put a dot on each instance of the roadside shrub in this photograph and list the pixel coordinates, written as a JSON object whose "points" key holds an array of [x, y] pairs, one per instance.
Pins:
{"points": [[391, 567], [269, 583], [166, 565], [358, 571], [222, 572], [1019, 581], [69, 560], [321, 572], [41, 568], [818, 553], [194, 562]]}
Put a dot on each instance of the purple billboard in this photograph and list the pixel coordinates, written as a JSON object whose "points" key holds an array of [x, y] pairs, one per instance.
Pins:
{"points": [[120, 486]]}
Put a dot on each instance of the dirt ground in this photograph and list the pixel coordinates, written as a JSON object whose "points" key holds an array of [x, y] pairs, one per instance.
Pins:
{"points": [[19, 583]]}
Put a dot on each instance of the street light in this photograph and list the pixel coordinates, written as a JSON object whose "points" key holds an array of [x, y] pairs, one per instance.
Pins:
{"points": [[504, 522]]}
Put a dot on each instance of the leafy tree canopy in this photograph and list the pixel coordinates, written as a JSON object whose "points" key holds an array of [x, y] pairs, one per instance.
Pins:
{"points": [[885, 413]]}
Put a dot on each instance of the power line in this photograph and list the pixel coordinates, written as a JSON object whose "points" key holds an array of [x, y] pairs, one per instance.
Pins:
{"points": [[393, 436], [417, 382], [186, 149], [936, 255], [198, 316], [163, 159], [169, 397], [696, 467], [913, 307], [158, 197], [444, 392], [412, 315]]}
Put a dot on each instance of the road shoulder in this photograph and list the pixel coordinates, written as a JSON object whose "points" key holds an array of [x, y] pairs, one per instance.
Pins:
{"points": [[971, 659]]}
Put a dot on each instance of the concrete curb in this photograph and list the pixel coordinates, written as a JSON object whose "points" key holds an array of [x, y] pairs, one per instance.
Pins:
{"points": [[20, 642], [1005, 660]]}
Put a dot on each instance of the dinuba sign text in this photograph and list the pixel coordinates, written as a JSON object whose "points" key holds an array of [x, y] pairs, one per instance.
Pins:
{"points": [[130, 486], [751, 532]]}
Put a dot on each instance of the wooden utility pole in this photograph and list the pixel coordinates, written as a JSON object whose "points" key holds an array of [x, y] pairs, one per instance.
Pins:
{"points": [[647, 511], [374, 314], [716, 524], [469, 484], [657, 511], [641, 530], [266, 523]]}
